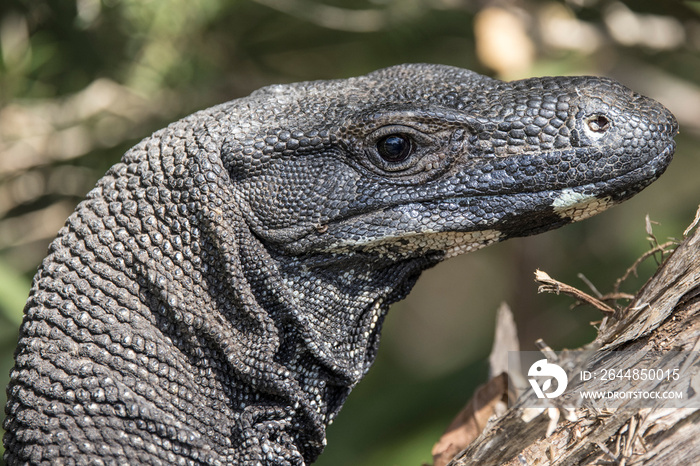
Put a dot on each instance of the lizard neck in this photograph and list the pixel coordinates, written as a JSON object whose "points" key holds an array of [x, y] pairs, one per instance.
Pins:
{"points": [[330, 311]]}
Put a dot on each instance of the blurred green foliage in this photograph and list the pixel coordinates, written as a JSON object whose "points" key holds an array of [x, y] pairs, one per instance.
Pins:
{"points": [[83, 80]]}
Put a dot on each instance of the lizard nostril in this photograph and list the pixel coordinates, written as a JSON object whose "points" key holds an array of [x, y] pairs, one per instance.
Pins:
{"points": [[598, 123]]}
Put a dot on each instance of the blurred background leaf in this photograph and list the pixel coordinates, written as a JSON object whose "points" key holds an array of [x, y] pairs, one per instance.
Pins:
{"points": [[81, 81]]}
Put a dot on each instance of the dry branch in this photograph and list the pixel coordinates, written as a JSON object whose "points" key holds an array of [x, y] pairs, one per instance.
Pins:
{"points": [[664, 315]]}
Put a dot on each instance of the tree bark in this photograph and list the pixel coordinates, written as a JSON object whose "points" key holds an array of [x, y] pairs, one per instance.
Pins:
{"points": [[664, 315]]}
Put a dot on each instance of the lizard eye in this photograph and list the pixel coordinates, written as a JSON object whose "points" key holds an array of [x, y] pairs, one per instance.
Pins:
{"points": [[398, 149], [394, 148]]}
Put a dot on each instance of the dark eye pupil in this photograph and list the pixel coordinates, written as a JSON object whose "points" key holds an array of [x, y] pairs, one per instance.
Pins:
{"points": [[394, 148]]}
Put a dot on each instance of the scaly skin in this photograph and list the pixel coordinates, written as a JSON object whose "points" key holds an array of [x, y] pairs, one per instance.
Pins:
{"points": [[222, 289]]}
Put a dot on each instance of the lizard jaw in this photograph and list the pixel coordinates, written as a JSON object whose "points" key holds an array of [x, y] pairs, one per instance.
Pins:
{"points": [[454, 226]]}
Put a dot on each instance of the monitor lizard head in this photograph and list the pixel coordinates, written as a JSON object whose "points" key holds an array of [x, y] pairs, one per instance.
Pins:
{"points": [[423, 160]]}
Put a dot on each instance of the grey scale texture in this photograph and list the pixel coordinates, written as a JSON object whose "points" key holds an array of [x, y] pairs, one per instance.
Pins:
{"points": [[221, 290]]}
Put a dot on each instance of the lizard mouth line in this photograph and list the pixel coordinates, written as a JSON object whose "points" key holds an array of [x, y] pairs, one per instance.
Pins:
{"points": [[633, 180]]}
